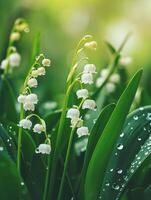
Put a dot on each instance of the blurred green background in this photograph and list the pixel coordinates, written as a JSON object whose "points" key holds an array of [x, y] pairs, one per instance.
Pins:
{"points": [[63, 22]]}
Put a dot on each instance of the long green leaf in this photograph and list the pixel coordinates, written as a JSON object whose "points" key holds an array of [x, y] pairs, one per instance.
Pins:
{"points": [[100, 158]]}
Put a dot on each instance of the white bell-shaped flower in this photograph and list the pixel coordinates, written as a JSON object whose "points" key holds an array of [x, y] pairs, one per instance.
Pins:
{"points": [[87, 78], [46, 62], [32, 83], [104, 73], [22, 98], [41, 71], [14, 59], [44, 149], [126, 60], [99, 81], [110, 87], [4, 64], [29, 106], [82, 131], [89, 104], [115, 78], [32, 98], [73, 113], [35, 73], [25, 123], [89, 68], [83, 93], [38, 128]]}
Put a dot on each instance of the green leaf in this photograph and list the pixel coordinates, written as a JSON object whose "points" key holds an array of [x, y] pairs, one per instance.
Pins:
{"points": [[101, 155], [110, 47], [7, 101], [94, 137], [10, 187], [125, 162]]}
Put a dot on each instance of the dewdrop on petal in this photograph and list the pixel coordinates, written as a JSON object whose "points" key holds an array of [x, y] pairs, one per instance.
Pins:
{"points": [[83, 93], [38, 128], [29, 106], [91, 45], [115, 78], [82, 131], [41, 71], [89, 104], [46, 62], [25, 123], [4, 64], [99, 81], [32, 98], [73, 113], [32, 83], [44, 149], [14, 59], [15, 36], [87, 78], [21, 98], [89, 68], [110, 87]]}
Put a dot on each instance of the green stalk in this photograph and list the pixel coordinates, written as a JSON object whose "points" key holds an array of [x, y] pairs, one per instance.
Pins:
{"points": [[19, 140], [67, 157], [59, 137], [66, 164], [46, 179]]}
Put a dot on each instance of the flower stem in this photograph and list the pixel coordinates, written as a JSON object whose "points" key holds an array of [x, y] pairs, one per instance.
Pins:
{"points": [[66, 164], [19, 140], [46, 179]]}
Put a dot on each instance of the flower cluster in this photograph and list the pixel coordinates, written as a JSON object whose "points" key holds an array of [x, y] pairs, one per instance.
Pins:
{"points": [[28, 101], [111, 84], [13, 58], [83, 94]]}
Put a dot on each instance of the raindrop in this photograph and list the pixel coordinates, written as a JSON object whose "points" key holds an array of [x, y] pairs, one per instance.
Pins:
{"points": [[120, 146], [115, 187], [22, 183], [122, 135], [139, 139], [149, 116], [120, 171], [135, 117], [1, 148]]}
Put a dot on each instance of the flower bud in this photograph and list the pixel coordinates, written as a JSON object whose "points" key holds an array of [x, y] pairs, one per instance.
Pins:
{"points": [[115, 78], [32, 98], [15, 36], [91, 45], [110, 87]]}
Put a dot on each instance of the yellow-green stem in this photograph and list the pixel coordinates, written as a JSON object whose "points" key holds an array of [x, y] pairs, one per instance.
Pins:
{"points": [[19, 140]]}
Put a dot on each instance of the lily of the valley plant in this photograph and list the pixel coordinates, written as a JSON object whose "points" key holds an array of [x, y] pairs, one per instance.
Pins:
{"points": [[91, 148]]}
